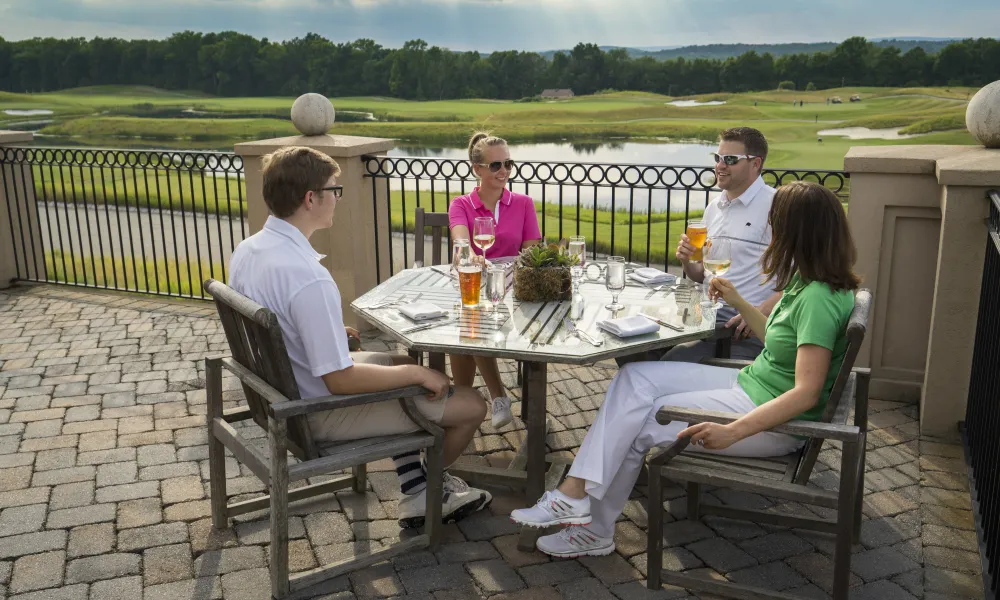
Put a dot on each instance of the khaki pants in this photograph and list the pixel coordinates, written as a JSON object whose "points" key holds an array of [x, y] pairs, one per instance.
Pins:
{"points": [[371, 420]]}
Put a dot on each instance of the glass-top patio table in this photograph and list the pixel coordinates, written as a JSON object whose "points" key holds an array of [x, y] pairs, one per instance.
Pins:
{"points": [[535, 333]]}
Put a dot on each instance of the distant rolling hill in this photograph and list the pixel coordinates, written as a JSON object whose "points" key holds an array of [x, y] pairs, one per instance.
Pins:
{"points": [[722, 51]]}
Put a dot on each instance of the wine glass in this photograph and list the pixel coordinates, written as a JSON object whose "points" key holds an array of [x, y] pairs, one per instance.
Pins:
{"points": [[717, 259], [484, 234], [614, 280], [578, 248], [496, 288]]}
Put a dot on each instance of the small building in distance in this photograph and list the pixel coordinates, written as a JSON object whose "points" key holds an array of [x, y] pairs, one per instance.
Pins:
{"points": [[557, 94]]}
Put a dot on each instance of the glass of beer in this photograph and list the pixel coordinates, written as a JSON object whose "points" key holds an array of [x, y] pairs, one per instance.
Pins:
{"points": [[697, 233], [470, 276]]}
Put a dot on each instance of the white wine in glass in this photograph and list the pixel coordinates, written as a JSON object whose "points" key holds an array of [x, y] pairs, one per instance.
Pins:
{"points": [[578, 248], [718, 266], [484, 233]]}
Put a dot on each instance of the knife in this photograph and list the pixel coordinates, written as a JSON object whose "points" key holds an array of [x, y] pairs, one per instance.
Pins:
{"points": [[662, 322]]}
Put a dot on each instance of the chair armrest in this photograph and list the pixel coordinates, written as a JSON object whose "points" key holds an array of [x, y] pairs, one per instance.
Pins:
{"points": [[280, 407], [729, 363], [295, 408], [816, 429]]}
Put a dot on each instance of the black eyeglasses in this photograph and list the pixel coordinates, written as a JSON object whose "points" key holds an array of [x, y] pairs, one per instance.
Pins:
{"points": [[495, 165], [338, 190], [731, 159]]}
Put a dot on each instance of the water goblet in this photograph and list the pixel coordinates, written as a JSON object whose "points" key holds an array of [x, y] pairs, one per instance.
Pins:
{"points": [[614, 280], [496, 289]]}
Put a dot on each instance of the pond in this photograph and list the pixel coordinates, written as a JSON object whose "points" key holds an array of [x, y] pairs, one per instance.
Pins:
{"points": [[15, 112], [641, 200]]}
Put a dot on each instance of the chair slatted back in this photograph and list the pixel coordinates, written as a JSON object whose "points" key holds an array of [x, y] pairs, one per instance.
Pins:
{"points": [[857, 325], [255, 341], [438, 222]]}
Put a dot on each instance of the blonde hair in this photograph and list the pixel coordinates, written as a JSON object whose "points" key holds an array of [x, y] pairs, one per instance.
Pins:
{"points": [[479, 142]]}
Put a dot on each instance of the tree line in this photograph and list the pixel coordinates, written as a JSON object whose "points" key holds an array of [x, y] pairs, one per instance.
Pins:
{"points": [[235, 64]]}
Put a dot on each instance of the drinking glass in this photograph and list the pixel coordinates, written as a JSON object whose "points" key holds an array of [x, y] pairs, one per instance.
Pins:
{"points": [[614, 280], [578, 248], [496, 288], [458, 247], [470, 274], [697, 233], [484, 234], [717, 259]]}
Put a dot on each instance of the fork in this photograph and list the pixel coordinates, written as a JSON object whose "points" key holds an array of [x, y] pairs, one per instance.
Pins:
{"points": [[574, 330]]}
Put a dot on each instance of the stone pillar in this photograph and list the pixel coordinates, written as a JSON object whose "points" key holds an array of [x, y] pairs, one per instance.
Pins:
{"points": [[917, 215], [21, 248], [350, 245]]}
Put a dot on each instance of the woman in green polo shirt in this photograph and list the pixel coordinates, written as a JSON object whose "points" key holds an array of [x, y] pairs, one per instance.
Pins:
{"points": [[810, 259]]}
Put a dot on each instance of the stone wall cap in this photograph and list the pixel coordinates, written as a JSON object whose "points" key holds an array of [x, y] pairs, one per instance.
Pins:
{"points": [[980, 167], [14, 137], [337, 146], [908, 160]]}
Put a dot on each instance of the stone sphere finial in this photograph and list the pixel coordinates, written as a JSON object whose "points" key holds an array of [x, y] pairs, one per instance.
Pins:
{"points": [[982, 117], [313, 114]]}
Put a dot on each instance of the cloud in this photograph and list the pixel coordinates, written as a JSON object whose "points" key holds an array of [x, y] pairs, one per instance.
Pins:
{"points": [[507, 24]]}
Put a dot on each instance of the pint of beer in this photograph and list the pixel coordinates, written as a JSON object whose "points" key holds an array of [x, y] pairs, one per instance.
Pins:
{"points": [[697, 232], [470, 276]]}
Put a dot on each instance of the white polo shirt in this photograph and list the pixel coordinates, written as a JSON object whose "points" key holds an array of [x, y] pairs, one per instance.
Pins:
{"points": [[278, 268], [743, 221]]}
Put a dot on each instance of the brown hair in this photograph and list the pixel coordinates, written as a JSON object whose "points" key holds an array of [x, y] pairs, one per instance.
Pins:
{"points": [[291, 172], [752, 139], [810, 236], [478, 144]]}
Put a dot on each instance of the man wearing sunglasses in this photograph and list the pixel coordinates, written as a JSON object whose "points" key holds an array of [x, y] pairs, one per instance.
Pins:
{"points": [[278, 268], [739, 214]]}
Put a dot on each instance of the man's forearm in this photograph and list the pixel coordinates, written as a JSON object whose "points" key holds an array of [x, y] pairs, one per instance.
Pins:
{"points": [[362, 378], [694, 270]]}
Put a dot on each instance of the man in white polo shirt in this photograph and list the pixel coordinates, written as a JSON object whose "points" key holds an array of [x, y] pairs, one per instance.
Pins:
{"points": [[740, 215], [279, 269]]}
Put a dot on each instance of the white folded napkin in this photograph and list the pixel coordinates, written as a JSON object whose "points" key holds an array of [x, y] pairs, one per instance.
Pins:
{"points": [[419, 311], [628, 326], [651, 276]]}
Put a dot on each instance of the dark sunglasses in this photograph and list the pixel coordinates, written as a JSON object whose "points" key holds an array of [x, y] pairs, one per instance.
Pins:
{"points": [[731, 159], [495, 165], [338, 190]]}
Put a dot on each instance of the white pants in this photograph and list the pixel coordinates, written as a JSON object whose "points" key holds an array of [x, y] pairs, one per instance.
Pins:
{"points": [[625, 429]]}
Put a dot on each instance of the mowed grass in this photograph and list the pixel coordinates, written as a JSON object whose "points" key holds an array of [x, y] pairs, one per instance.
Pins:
{"points": [[163, 276], [141, 188], [792, 130]]}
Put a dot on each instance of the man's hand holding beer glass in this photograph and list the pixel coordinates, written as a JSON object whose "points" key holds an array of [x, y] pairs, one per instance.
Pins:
{"points": [[689, 250]]}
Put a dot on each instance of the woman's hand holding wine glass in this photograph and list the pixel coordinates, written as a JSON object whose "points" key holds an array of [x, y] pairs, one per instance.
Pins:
{"points": [[720, 287]]}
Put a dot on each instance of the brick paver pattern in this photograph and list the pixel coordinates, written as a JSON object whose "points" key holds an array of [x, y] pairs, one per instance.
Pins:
{"points": [[104, 490]]}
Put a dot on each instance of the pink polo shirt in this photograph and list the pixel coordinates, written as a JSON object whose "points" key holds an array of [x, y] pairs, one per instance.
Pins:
{"points": [[517, 222]]}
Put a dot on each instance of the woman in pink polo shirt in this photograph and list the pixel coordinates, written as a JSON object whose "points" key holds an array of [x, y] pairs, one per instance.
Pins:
{"points": [[516, 228]]}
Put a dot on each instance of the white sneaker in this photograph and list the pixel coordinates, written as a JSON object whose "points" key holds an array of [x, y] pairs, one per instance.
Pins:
{"points": [[458, 500], [575, 541], [501, 412], [554, 508]]}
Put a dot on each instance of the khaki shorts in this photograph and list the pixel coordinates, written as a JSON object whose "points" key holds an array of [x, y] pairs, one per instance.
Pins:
{"points": [[371, 420]]}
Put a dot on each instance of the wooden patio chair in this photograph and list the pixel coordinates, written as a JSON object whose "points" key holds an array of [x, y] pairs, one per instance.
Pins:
{"points": [[785, 477], [260, 362]]}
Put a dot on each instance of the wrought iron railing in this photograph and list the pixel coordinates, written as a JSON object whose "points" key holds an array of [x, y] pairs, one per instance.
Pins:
{"points": [[638, 211], [981, 428], [157, 222]]}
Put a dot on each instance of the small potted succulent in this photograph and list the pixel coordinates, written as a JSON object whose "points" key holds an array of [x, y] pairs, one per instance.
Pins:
{"points": [[542, 274]]}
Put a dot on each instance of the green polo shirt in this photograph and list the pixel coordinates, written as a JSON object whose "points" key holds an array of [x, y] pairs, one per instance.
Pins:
{"points": [[806, 314]]}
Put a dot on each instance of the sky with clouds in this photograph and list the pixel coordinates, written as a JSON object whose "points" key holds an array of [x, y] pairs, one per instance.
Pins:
{"points": [[488, 25]]}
